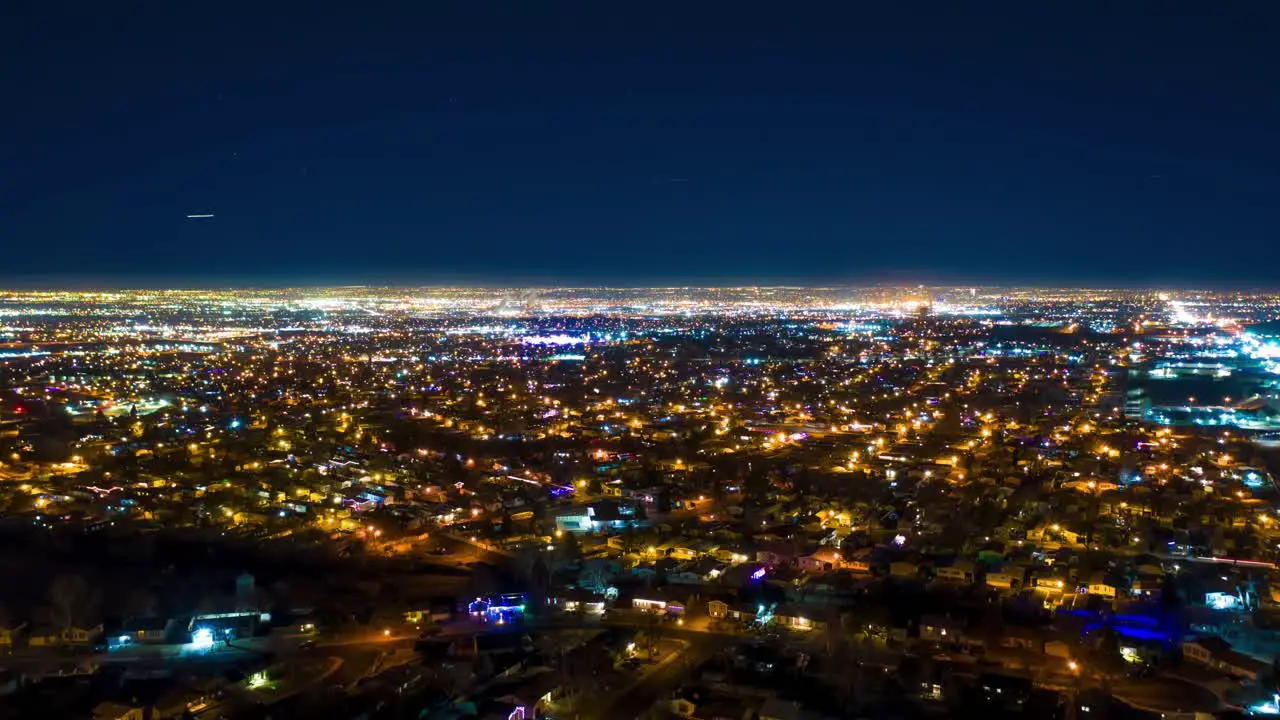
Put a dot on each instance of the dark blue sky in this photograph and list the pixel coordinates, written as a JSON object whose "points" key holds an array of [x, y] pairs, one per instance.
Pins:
{"points": [[637, 142]]}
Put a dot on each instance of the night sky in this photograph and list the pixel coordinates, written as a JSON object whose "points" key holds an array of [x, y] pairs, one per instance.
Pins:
{"points": [[540, 141]]}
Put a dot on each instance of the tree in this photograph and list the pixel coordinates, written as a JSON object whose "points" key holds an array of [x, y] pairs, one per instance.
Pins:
{"points": [[595, 576], [72, 602], [1169, 598], [452, 678], [1107, 650], [652, 631], [483, 581], [532, 570], [757, 485], [650, 474], [570, 551], [140, 602], [578, 675]]}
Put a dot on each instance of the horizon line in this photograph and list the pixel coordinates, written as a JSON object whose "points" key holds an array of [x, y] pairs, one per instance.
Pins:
{"points": [[264, 285]]}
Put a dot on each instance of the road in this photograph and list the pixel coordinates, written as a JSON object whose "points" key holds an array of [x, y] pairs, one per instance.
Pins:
{"points": [[459, 552], [634, 700], [627, 702], [467, 551]]}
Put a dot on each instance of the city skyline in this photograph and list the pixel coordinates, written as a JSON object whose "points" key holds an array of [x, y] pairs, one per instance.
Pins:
{"points": [[301, 500], [551, 359]]}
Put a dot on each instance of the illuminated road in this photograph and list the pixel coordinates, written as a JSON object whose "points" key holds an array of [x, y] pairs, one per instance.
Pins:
{"points": [[464, 552], [670, 674], [458, 552]]}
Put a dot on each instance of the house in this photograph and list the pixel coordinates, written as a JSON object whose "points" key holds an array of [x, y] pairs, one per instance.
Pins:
{"points": [[1147, 588], [774, 557], [1071, 536], [902, 569], [44, 636], [536, 692], [811, 563], [1002, 581], [230, 624], [1102, 587], [1019, 638], [1220, 594], [438, 610], [652, 602], [576, 520], [718, 609], [1202, 650], [709, 568], [1216, 653], [721, 610], [712, 708], [793, 618], [960, 573], [190, 700], [684, 552], [604, 515], [142, 630], [704, 706], [1052, 583], [8, 634], [577, 600], [826, 584], [858, 566], [940, 629], [1003, 693], [1219, 600], [731, 556], [684, 576], [611, 514]]}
